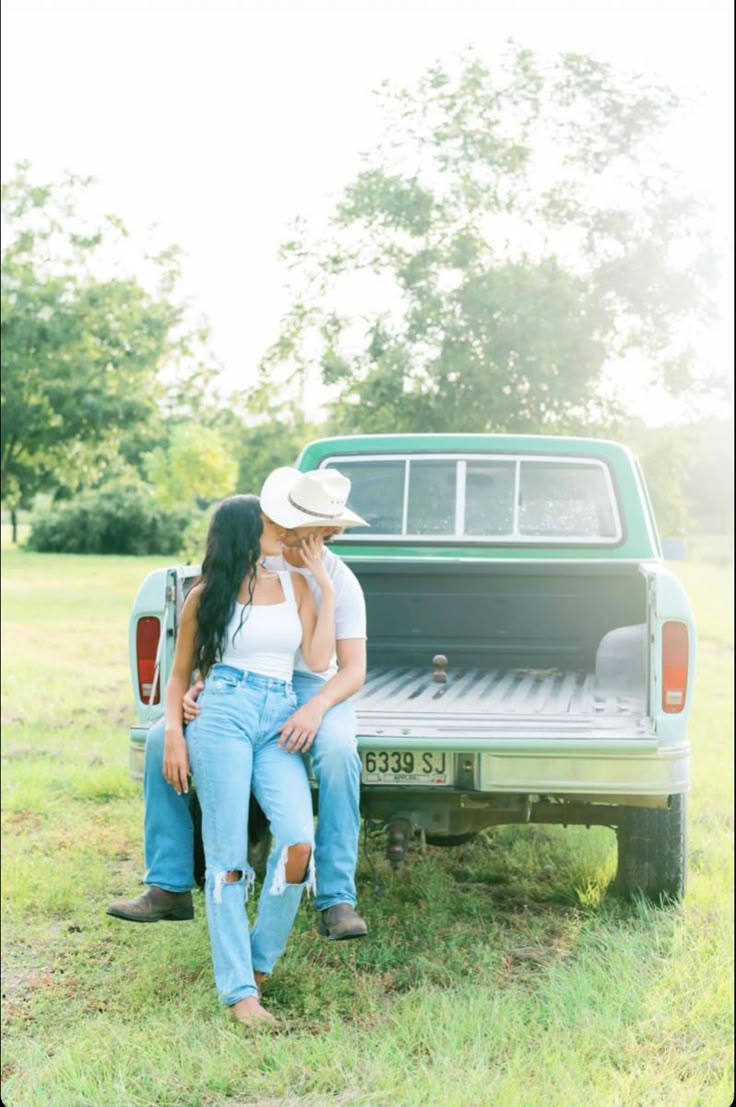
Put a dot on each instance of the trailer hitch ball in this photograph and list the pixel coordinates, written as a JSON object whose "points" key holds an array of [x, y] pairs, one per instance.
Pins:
{"points": [[439, 676], [399, 833]]}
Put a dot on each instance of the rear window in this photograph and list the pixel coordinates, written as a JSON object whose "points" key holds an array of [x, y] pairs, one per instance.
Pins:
{"points": [[511, 499]]}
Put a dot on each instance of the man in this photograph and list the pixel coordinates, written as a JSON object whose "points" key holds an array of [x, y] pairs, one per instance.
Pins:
{"points": [[323, 726]]}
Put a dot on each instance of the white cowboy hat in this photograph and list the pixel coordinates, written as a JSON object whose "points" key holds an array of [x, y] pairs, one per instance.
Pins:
{"points": [[294, 499]]}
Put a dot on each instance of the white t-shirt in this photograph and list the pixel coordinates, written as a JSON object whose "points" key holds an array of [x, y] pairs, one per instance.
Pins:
{"points": [[349, 603]]}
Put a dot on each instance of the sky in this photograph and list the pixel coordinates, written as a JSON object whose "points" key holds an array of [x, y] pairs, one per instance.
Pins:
{"points": [[221, 121]]}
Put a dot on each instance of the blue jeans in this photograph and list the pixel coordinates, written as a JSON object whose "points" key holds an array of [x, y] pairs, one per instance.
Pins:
{"points": [[167, 827], [233, 746]]}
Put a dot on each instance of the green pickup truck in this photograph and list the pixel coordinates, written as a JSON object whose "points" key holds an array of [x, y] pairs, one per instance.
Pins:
{"points": [[530, 658]]}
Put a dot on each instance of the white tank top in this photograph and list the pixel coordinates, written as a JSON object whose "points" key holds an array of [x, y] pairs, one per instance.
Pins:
{"points": [[269, 636]]}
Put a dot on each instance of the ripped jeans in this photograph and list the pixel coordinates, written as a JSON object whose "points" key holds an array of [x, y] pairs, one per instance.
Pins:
{"points": [[233, 747]]}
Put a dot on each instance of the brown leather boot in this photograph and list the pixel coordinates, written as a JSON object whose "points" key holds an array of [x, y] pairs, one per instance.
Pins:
{"points": [[154, 905], [341, 921]]}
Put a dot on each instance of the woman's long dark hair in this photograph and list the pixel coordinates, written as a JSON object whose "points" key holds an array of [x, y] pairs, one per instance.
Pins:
{"points": [[233, 548]]}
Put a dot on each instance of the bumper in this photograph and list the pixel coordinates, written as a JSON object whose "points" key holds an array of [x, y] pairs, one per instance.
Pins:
{"points": [[601, 767], [591, 767]]}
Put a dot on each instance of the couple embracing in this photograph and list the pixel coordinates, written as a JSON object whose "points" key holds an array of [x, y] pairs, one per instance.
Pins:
{"points": [[276, 627]]}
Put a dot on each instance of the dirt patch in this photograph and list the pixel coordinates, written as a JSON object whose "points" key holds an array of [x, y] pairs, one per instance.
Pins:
{"points": [[24, 753], [9, 718], [19, 983], [22, 820]]}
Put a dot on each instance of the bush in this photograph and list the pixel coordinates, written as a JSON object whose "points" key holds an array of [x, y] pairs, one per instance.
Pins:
{"points": [[118, 518]]}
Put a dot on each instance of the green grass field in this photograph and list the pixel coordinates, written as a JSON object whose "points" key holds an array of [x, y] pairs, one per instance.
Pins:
{"points": [[495, 974]]}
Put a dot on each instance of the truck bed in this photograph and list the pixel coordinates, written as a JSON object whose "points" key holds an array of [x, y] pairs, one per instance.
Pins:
{"points": [[532, 703]]}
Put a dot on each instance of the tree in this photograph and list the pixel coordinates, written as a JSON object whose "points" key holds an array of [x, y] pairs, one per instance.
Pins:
{"points": [[81, 341], [195, 465], [689, 473], [512, 234], [274, 440]]}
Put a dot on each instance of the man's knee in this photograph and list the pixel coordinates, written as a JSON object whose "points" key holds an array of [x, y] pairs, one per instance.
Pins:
{"points": [[336, 761], [336, 738]]}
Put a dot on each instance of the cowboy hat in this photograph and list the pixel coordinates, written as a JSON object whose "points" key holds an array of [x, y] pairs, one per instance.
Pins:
{"points": [[294, 499]]}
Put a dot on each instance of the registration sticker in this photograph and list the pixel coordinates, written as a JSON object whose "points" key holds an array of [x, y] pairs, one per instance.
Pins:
{"points": [[389, 767]]}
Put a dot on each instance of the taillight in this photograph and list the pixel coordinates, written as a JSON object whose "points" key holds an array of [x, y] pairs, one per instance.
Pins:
{"points": [[147, 635], [674, 666]]}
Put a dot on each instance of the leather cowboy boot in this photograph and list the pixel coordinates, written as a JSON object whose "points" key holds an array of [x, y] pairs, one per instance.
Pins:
{"points": [[154, 905], [341, 921]]}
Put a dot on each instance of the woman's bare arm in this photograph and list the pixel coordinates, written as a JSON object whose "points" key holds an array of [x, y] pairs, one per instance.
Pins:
{"points": [[176, 757], [318, 627]]}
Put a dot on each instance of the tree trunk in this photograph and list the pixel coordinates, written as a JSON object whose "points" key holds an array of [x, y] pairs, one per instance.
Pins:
{"points": [[14, 524]]}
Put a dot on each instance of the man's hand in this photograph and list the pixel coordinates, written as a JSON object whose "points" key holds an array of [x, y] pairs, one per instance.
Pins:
{"points": [[189, 704], [176, 763], [297, 733]]}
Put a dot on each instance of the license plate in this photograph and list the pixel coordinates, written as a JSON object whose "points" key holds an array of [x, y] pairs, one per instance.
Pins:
{"points": [[384, 767]]}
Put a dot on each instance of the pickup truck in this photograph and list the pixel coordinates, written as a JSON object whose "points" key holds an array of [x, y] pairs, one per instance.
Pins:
{"points": [[530, 657]]}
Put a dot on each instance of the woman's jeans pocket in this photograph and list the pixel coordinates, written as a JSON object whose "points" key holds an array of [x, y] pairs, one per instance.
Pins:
{"points": [[221, 686]]}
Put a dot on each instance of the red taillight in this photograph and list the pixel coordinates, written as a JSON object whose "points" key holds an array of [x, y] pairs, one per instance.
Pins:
{"points": [[674, 667], [147, 635]]}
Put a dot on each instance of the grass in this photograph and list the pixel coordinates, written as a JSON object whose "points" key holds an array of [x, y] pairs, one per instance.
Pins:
{"points": [[497, 973]]}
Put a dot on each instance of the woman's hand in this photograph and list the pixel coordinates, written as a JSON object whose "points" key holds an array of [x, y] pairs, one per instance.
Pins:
{"points": [[189, 706], [312, 551], [176, 762]]}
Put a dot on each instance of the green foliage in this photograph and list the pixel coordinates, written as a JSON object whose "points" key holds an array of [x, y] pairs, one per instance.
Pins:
{"points": [[689, 472], [81, 341], [511, 234], [275, 439], [196, 464], [708, 483], [213, 447], [122, 517]]}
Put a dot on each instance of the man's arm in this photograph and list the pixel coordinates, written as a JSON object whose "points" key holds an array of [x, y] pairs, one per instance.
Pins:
{"points": [[297, 733]]}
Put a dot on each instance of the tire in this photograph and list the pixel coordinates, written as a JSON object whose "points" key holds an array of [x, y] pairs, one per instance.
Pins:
{"points": [[652, 853], [259, 838], [450, 839]]}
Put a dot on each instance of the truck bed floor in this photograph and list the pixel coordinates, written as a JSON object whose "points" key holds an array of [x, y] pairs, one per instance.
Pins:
{"points": [[516, 700]]}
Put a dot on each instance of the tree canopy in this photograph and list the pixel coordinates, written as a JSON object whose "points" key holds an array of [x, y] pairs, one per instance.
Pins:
{"points": [[513, 234], [195, 464], [82, 341]]}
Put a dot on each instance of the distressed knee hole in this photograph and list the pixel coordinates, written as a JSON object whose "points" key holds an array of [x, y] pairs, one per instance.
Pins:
{"points": [[297, 863], [295, 867], [232, 876]]}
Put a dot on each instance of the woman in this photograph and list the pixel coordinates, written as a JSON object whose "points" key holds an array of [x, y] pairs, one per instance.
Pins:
{"points": [[241, 625]]}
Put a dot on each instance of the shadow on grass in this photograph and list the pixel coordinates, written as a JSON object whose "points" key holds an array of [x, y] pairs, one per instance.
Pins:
{"points": [[500, 911]]}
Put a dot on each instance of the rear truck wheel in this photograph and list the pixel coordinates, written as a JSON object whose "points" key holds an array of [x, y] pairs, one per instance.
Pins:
{"points": [[259, 838], [652, 852]]}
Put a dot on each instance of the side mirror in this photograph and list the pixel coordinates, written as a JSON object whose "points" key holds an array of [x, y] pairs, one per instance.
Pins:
{"points": [[673, 549]]}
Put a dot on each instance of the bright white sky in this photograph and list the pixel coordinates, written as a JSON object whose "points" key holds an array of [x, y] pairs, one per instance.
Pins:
{"points": [[221, 121]]}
